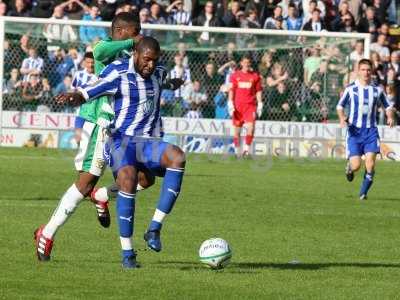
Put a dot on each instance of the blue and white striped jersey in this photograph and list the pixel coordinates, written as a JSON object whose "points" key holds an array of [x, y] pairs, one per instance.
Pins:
{"points": [[136, 100], [83, 77], [183, 74], [362, 102], [181, 17], [35, 63]]}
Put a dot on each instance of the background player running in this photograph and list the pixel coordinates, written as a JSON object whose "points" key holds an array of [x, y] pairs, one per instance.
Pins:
{"points": [[136, 142], [362, 99], [245, 103]]}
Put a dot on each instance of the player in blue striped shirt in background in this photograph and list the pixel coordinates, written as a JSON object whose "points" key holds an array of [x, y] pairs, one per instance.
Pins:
{"points": [[82, 77], [362, 98], [136, 142]]}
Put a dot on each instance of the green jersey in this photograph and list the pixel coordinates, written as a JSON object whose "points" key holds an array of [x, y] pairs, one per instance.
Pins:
{"points": [[106, 51]]}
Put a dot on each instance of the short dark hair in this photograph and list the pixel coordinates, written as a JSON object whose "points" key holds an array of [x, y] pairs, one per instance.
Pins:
{"points": [[246, 56], [124, 18], [365, 61], [88, 55], [148, 43]]}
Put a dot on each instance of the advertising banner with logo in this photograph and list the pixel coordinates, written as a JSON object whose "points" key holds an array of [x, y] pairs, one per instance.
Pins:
{"points": [[215, 136]]}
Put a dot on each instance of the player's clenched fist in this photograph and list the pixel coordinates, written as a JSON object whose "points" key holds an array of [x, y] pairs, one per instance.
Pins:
{"points": [[73, 99]]}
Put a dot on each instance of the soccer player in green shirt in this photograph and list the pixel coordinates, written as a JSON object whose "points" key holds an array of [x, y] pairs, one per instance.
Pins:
{"points": [[89, 161]]}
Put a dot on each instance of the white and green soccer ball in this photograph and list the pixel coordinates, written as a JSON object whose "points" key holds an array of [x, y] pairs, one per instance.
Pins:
{"points": [[215, 253]]}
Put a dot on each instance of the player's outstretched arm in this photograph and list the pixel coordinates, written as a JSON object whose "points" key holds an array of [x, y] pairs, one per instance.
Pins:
{"points": [[74, 98], [106, 50]]}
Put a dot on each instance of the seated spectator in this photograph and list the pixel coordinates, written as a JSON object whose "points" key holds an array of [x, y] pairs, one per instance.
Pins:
{"points": [[276, 76], [265, 65], [369, 23], [309, 7], [64, 86], [230, 18], [3, 9], [211, 80], [252, 19], [32, 92], [167, 101], [394, 64], [380, 48], [31, 65], [221, 103], [279, 106], [19, 9], [346, 24], [315, 24], [344, 13], [182, 47], [390, 40], [195, 94], [179, 71], [155, 15], [75, 9], [293, 21], [60, 66], [358, 52], [226, 70], [311, 63], [90, 34], [59, 33], [193, 112], [86, 75], [207, 19], [381, 7], [378, 69], [144, 16], [270, 23], [177, 14], [356, 9], [284, 4], [13, 84]]}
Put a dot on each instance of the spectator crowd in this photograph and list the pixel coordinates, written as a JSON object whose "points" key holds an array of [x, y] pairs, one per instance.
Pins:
{"points": [[302, 79]]}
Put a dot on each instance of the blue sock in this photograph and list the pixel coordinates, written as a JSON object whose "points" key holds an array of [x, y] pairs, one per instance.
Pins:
{"points": [[367, 182], [125, 215], [169, 192]]}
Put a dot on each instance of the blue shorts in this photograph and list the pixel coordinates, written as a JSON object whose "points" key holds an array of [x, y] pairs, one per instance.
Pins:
{"points": [[360, 141], [144, 154], [79, 121]]}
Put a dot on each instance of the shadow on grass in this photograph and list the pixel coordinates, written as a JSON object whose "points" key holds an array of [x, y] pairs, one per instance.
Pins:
{"points": [[248, 266]]}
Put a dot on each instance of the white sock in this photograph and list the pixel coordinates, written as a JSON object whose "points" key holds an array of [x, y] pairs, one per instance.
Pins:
{"points": [[101, 194], [246, 147], [126, 243], [65, 208], [159, 216]]}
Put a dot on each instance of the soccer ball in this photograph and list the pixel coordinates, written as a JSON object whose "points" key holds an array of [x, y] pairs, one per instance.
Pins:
{"points": [[215, 253]]}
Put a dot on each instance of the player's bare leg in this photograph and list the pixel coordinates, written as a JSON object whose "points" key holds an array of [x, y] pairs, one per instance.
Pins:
{"points": [[353, 165], [370, 158], [173, 160], [44, 235], [236, 140], [250, 127], [127, 180]]}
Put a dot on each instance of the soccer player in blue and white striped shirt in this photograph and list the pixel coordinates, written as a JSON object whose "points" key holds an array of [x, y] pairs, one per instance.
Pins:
{"points": [[362, 99], [80, 79], [136, 143]]}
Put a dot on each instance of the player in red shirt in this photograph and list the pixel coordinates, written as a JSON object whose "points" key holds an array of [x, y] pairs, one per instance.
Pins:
{"points": [[245, 102]]}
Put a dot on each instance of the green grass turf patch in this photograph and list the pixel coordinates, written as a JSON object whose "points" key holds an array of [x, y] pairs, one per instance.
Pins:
{"points": [[297, 230]]}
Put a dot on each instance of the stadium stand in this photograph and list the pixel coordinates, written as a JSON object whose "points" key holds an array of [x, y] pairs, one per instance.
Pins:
{"points": [[321, 75]]}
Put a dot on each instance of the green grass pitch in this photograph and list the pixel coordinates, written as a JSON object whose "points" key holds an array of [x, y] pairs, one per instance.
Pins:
{"points": [[296, 228]]}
